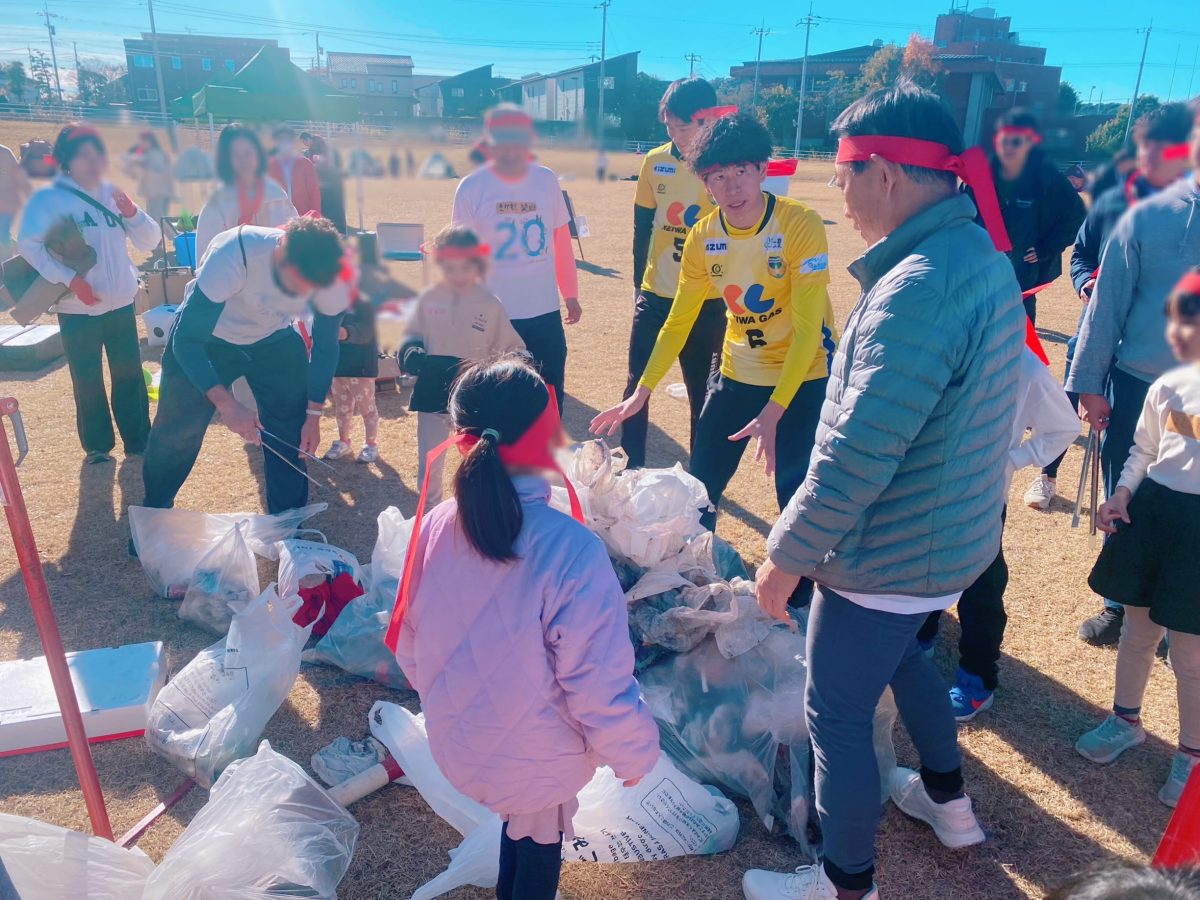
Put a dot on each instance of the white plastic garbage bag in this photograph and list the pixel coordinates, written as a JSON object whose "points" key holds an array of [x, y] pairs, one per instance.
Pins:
{"points": [[267, 830], [304, 564], [224, 582], [664, 816], [46, 862], [355, 641], [216, 707], [170, 543]]}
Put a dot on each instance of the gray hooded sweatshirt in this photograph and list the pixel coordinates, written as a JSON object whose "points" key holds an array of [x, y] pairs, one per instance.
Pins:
{"points": [[1151, 247]]}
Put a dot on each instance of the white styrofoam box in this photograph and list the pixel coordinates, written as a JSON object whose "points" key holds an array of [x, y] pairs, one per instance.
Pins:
{"points": [[158, 322], [114, 686], [777, 185]]}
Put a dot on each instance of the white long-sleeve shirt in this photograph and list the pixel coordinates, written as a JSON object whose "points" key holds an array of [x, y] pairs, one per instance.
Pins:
{"points": [[221, 212], [114, 278], [1167, 440], [1044, 410]]}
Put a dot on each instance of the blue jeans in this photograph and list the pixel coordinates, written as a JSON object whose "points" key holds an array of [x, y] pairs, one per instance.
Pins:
{"points": [[1126, 394], [853, 654]]}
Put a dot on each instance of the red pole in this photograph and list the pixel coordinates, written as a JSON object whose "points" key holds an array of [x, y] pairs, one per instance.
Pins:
{"points": [[47, 626]]}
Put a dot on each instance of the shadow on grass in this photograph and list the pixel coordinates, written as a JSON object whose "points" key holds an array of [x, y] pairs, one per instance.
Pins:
{"points": [[593, 269]]}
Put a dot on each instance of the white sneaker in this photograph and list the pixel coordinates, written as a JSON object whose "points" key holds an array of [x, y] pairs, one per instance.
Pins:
{"points": [[1040, 493], [954, 823], [369, 453], [338, 450], [1110, 739], [1181, 768], [806, 883]]}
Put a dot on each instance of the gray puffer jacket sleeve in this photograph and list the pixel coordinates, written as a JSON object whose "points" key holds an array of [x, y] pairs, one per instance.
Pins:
{"points": [[902, 361]]}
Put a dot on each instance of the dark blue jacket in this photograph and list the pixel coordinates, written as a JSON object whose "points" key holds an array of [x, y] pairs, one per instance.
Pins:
{"points": [[1096, 228]]}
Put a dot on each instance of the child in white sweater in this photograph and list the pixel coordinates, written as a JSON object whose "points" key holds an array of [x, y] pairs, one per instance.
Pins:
{"points": [[1152, 561]]}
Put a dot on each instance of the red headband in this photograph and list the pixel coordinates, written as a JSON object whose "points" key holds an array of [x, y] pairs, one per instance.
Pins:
{"points": [[533, 449], [971, 166], [479, 251], [511, 119], [1175, 152], [1019, 131], [714, 112], [1189, 284], [83, 131], [780, 167]]}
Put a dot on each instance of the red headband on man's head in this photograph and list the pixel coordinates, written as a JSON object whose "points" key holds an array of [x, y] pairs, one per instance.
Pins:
{"points": [[534, 449], [1019, 131], [1188, 284], [971, 166], [713, 113], [1176, 152]]}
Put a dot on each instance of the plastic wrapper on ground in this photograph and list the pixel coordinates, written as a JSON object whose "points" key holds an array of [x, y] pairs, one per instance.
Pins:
{"points": [[342, 759], [46, 862], [739, 724], [666, 815], [171, 543], [224, 582], [267, 830], [216, 707], [355, 641]]}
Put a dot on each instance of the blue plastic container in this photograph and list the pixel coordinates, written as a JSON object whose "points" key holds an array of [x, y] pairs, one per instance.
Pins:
{"points": [[185, 249]]}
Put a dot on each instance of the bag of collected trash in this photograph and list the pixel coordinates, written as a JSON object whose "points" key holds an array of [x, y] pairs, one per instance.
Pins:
{"points": [[355, 641], [267, 830], [342, 759], [225, 580], [664, 816], [46, 862], [216, 707], [170, 543], [738, 724], [645, 515], [326, 578]]}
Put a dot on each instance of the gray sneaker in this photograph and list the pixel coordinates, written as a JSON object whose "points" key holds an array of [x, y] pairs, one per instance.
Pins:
{"points": [[369, 453], [1110, 739], [1181, 769], [338, 450]]}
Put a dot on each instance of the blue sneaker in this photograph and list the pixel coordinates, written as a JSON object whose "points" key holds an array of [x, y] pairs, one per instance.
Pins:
{"points": [[969, 697]]}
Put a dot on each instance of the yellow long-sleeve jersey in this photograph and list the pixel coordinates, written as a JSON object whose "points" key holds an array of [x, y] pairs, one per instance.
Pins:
{"points": [[679, 200], [774, 279]]}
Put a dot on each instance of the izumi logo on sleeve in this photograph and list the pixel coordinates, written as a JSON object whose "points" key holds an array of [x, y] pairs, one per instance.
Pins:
{"points": [[664, 169], [515, 207]]}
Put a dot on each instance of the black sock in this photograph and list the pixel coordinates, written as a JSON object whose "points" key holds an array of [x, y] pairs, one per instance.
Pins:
{"points": [[942, 787]]}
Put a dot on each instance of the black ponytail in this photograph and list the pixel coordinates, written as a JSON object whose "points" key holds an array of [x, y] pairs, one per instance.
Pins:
{"points": [[498, 401]]}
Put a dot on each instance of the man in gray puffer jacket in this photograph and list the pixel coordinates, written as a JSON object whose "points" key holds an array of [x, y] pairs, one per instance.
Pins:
{"points": [[901, 507]]}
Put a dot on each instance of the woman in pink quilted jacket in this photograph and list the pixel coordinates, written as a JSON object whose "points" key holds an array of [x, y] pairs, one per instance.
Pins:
{"points": [[514, 630]]}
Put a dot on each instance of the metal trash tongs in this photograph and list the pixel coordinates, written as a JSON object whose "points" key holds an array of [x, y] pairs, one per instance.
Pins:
{"points": [[288, 462], [303, 453], [1091, 466]]}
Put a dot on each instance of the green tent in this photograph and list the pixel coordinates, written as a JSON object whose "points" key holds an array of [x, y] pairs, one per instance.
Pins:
{"points": [[269, 88]]}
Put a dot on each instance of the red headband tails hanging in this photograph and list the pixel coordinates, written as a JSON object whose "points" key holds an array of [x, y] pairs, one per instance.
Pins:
{"points": [[1033, 342], [971, 166], [534, 449]]}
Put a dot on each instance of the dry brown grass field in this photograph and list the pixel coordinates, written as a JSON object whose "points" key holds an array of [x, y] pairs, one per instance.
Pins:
{"points": [[1047, 811]]}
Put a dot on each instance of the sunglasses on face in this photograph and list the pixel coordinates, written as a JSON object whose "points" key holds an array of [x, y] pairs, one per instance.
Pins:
{"points": [[1015, 142]]}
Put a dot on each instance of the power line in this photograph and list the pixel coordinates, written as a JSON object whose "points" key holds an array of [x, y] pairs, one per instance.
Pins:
{"points": [[692, 59], [807, 21], [1137, 86]]}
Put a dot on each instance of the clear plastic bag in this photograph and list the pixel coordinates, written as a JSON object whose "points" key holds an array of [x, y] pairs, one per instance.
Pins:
{"points": [[170, 543], [739, 724], [267, 831], [666, 815], [216, 707], [355, 641], [225, 581], [46, 862]]}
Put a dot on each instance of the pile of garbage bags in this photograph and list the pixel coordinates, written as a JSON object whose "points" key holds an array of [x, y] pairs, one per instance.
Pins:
{"points": [[267, 830], [664, 816], [325, 577]]}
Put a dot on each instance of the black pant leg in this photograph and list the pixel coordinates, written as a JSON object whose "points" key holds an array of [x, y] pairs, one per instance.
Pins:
{"points": [[546, 342], [508, 866], [929, 630], [983, 619], [277, 372], [1031, 308], [130, 403], [649, 314], [701, 358], [83, 343], [1127, 395], [728, 409], [538, 869], [177, 434], [794, 438]]}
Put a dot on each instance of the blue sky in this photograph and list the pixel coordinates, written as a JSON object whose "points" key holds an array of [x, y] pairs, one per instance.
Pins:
{"points": [[1100, 51]]}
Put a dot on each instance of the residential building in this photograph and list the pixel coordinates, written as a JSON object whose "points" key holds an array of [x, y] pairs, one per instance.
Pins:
{"points": [[383, 83], [188, 62], [821, 67], [466, 95], [573, 95]]}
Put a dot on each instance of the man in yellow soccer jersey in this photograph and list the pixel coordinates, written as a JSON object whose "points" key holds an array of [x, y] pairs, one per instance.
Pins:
{"points": [[670, 199], [768, 260]]}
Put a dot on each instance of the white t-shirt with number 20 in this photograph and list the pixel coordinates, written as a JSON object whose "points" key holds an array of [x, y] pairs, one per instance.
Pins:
{"points": [[517, 219]]}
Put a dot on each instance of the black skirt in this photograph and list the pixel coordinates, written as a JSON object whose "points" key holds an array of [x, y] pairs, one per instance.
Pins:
{"points": [[1155, 561]]}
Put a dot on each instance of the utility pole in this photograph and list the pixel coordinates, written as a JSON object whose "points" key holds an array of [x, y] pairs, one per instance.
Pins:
{"points": [[1174, 67], [78, 72], [1192, 77], [762, 32], [53, 52], [317, 38], [158, 77], [1137, 87], [692, 59], [604, 5], [808, 24]]}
